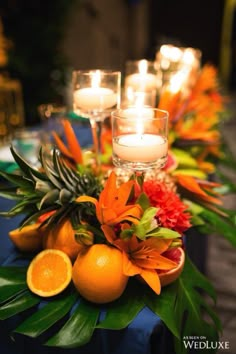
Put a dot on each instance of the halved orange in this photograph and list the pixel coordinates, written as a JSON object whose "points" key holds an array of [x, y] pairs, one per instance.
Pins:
{"points": [[28, 238], [177, 255], [49, 273]]}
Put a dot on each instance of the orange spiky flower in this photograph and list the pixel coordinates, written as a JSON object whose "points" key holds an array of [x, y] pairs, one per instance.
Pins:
{"points": [[73, 151]]}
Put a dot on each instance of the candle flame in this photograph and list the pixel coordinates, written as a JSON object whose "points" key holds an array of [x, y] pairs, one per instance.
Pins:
{"points": [[143, 66], [178, 79], [171, 52], [96, 79]]}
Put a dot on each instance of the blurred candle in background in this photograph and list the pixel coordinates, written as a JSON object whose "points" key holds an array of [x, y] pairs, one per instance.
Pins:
{"points": [[95, 97], [141, 75]]}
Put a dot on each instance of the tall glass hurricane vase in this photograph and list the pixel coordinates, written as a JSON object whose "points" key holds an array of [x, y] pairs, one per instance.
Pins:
{"points": [[95, 94]]}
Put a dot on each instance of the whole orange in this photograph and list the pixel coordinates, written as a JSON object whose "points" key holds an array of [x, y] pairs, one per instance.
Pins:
{"points": [[62, 237], [98, 275]]}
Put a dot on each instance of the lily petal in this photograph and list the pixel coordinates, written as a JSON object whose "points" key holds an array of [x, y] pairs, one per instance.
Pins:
{"points": [[109, 233], [129, 268], [152, 279]]}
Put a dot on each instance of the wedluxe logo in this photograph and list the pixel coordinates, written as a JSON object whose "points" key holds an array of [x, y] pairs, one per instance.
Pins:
{"points": [[195, 342]]}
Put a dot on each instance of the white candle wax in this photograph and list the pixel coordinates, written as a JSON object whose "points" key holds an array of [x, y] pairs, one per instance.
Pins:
{"points": [[138, 112], [90, 98], [140, 148], [141, 82]]}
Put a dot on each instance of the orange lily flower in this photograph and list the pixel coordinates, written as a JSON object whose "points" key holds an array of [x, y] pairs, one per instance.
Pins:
{"points": [[112, 208], [144, 258]]}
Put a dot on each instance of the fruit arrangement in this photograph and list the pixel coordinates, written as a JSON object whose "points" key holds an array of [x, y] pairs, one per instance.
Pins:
{"points": [[97, 239]]}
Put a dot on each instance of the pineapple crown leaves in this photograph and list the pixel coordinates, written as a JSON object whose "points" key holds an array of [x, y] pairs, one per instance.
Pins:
{"points": [[54, 188]]}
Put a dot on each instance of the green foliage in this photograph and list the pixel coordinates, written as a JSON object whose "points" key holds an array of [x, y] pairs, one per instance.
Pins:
{"points": [[181, 306], [56, 188]]}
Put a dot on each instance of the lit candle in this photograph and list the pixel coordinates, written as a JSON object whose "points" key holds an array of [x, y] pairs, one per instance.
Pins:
{"points": [[137, 112], [95, 97], [142, 81], [140, 147], [139, 143], [171, 92]]}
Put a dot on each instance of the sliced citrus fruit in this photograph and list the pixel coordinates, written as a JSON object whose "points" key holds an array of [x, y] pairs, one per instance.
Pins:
{"points": [[49, 273], [98, 273], [177, 255], [27, 238]]}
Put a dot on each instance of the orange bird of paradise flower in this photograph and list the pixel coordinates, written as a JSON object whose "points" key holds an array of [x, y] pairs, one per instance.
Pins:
{"points": [[73, 151], [112, 207]]}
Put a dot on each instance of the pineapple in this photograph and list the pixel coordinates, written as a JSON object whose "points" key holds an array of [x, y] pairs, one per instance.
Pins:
{"points": [[55, 188]]}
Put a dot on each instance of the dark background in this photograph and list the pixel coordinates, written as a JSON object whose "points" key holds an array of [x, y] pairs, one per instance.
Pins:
{"points": [[36, 29], [188, 23]]}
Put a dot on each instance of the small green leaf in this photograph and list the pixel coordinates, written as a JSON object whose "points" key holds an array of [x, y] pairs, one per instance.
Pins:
{"points": [[184, 158], [146, 223], [12, 282], [18, 304], [78, 329], [122, 311], [190, 172], [163, 232], [143, 201], [45, 317]]}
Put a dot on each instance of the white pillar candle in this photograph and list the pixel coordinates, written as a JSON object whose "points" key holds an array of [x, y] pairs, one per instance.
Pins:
{"points": [[141, 82], [92, 98], [140, 147]]}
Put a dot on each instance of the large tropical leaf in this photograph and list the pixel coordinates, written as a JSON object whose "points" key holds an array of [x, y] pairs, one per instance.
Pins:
{"points": [[12, 282], [121, 313], [164, 306], [183, 308], [20, 303], [181, 300], [48, 315], [191, 308], [79, 329], [220, 225]]}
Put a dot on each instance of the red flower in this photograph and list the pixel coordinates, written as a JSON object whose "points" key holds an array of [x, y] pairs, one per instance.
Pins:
{"points": [[171, 210]]}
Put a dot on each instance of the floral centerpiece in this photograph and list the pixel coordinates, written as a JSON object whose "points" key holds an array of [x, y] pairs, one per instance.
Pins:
{"points": [[91, 240]]}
